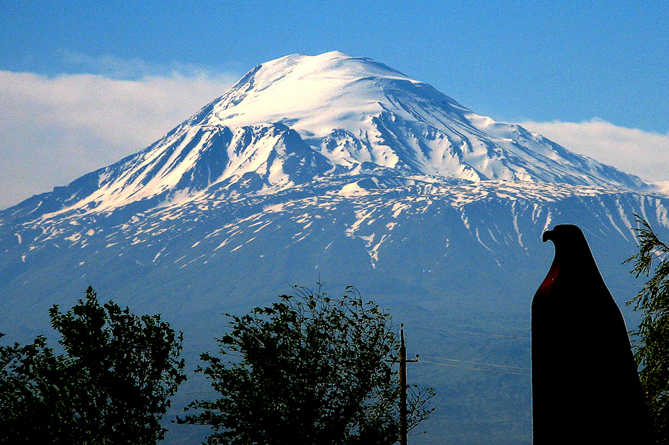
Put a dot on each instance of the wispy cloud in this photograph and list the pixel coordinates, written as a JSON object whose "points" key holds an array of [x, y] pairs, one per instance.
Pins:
{"points": [[643, 153], [115, 67], [53, 130]]}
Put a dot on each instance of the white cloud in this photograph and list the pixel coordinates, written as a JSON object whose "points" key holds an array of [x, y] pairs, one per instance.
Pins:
{"points": [[53, 130], [645, 154]]}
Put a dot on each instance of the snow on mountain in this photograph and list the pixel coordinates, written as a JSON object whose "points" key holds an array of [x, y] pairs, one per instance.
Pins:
{"points": [[297, 118], [355, 111]]}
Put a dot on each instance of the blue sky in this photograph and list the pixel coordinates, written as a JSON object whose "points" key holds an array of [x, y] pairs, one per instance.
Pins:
{"points": [[579, 72]]}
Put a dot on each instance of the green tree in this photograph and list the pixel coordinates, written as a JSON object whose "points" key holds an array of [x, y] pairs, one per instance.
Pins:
{"points": [[32, 408], [651, 339], [111, 386], [307, 369]]}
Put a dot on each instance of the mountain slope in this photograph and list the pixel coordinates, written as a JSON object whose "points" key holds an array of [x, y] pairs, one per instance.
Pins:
{"points": [[298, 118], [457, 263], [355, 110]]}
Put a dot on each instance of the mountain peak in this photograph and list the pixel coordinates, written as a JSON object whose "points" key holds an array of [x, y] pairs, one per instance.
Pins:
{"points": [[333, 64], [313, 94]]}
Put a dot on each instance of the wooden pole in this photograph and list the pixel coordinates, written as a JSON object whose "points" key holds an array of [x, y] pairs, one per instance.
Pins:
{"points": [[403, 389]]}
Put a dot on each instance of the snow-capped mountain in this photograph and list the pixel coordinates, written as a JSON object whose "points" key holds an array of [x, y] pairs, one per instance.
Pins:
{"points": [[296, 118], [341, 170]]}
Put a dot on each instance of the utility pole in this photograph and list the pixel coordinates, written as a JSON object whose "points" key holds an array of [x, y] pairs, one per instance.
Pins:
{"points": [[403, 387]]}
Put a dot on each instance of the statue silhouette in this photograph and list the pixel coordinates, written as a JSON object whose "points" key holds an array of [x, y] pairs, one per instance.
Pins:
{"points": [[585, 385]]}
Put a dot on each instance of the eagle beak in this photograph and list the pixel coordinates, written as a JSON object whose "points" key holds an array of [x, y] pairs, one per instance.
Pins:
{"points": [[548, 235]]}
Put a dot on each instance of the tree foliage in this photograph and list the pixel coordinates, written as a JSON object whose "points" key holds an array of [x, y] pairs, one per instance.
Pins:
{"points": [[307, 369], [651, 339], [111, 386], [32, 403]]}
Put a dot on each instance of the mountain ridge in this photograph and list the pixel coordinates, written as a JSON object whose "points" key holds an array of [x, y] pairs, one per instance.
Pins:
{"points": [[337, 115]]}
